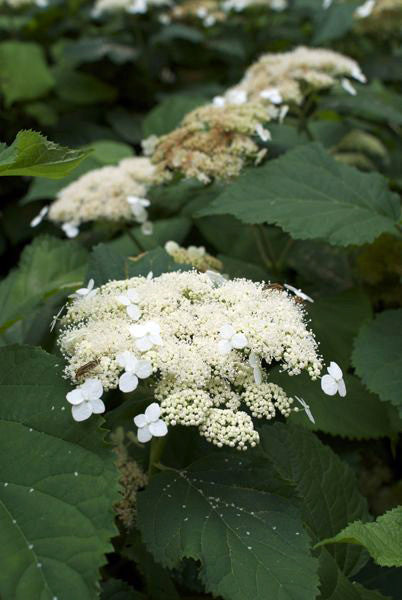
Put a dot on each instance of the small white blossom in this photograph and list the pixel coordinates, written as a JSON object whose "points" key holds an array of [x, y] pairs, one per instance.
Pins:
{"points": [[86, 400], [262, 133], [147, 228], [85, 292], [365, 10], [134, 369], [149, 144], [255, 364], [137, 7], [283, 111], [231, 339], [272, 94], [297, 292], [216, 278], [306, 408], [357, 74], [70, 229], [333, 382], [39, 218], [326, 4], [219, 101], [236, 96], [129, 300], [348, 87], [138, 206], [149, 424], [147, 335]]}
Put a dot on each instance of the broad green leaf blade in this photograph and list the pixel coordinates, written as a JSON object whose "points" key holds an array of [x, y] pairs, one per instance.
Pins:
{"points": [[251, 543], [115, 589], [377, 356], [58, 485], [32, 154], [24, 74], [326, 486], [48, 266], [383, 538], [167, 116], [310, 195]]}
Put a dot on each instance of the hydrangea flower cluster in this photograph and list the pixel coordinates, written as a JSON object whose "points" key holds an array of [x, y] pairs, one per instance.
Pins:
{"points": [[210, 12], [193, 255], [204, 347], [286, 77], [134, 7], [214, 141], [112, 193]]}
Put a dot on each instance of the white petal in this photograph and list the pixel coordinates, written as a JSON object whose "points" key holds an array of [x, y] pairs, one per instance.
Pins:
{"points": [[253, 360], [341, 388], [158, 429], [227, 331], [140, 420], [90, 284], [75, 397], [155, 339], [152, 327], [257, 375], [224, 346], [143, 369], [143, 344], [144, 435], [82, 411], [348, 87], [219, 101], [239, 340], [92, 388], [153, 412], [128, 382], [123, 299], [329, 385], [132, 295], [98, 406], [133, 312], [138, 331], [124, 358], [335, 371]]}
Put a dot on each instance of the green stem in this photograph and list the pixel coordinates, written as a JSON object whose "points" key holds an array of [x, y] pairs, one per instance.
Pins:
{"points": [[157, 448]]}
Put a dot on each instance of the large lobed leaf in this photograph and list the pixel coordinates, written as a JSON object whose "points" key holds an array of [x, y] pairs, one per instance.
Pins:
{"points": [[383, 539], [310, 195], [58, 485], [377, 356], [32, 154]]}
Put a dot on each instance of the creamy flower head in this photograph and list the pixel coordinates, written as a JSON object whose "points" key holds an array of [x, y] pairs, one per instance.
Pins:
{"points": [[193, 255], [205, 349]]}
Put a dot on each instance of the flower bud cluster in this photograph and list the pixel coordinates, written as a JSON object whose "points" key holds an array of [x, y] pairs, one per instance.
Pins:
{"points": [[200, 345], [193, 255]]}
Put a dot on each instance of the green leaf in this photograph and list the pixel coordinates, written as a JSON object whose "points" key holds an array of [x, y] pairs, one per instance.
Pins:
{"points": [[115, 589], [250, 542], [47, 267], [24, 74], [334, 22], [382, 539], [59, 485], [377, 356], [82, 88], [166, 116], [326, 486], [374, 103], [310, 195], [32, 154]]}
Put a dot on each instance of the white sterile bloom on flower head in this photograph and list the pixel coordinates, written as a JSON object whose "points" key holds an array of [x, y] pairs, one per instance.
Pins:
{"points": [[86, 400], [85, 292], [262, 133], [70, 229], [147, 335], [215, 278], [306, 408], [255, 364], [365, 10], [134, 369], [357, 74], [298, 293], [129, 300], [39, 217], [138, 206], [272, 94], [149, 424], [348, 87], [333, 382], [326, 4], [231, 339], [219, 101], [236, 96]]}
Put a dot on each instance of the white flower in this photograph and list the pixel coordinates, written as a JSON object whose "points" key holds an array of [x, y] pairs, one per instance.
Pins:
{"points": [[365, 9], [150, 276], [39, 218], [333, 382], [147, 228], [216, 278], [147, 335], [306, 408], [272, 94], [219, 101], [279, 5], [326, 4], [149, 424], [86, 399], [85, 292], [138, 207], [209, 21], [231, 339], [138, 7], [134, 369], [129, 300], [348, 87], [357, 74], [149, 144], [70, 229], [298, 293], [172, 247], [283, 111], [262, 133], [255, 364], [236, 96]]}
